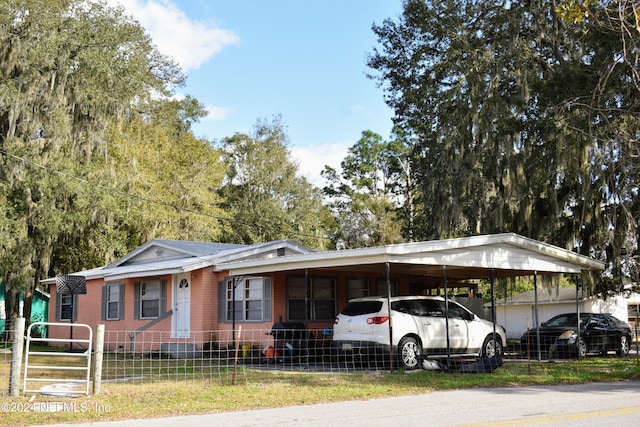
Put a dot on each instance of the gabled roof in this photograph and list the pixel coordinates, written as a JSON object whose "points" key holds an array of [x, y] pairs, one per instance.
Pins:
{"points": [[160, 257], [163, 249], [503, 255]]}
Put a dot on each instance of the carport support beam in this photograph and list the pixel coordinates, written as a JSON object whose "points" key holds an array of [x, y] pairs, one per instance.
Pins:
{"points": [[494, 314], [306, 310], [535, 309], [578, 313], [306, 299], [446, 311], [388, 274]]}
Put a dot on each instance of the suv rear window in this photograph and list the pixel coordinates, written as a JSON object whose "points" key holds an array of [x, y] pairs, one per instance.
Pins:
{"points": [[362, 307]]}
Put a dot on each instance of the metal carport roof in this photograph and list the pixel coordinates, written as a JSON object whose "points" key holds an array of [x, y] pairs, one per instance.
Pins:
{"points": [[483, 256]]}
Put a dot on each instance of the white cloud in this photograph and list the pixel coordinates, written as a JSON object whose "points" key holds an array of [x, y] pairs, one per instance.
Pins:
{"points": [[190, 42], [216, 113], [312, 159]]}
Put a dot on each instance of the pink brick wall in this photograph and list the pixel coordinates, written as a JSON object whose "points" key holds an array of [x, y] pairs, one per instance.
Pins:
{"points": [[204, 309]]}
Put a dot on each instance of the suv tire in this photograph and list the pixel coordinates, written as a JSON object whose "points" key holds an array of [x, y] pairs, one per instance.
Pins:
{"points": [[410, 353], [491, 347]]}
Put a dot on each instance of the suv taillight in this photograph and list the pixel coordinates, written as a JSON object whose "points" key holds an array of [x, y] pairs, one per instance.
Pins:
{"points": [[377, 320]]}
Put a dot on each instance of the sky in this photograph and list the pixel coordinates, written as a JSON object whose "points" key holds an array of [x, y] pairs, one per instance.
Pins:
{"points": [[303, 60]]}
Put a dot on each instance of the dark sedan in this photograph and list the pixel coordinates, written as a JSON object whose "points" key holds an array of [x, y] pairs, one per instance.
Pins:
{"points": [[599, 333]]}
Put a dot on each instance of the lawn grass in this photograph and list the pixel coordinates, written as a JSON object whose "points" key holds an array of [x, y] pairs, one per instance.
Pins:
{"points": [[257, 390]]}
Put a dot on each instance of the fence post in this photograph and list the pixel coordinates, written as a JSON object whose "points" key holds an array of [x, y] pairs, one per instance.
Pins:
{"points": [[17, 349], [97, 361]]}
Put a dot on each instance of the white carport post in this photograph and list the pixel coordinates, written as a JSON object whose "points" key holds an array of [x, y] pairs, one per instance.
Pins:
{"points": [[578, 315], [306, 299], [446, 311], [535, 309], [494, 315], [388, 274]]}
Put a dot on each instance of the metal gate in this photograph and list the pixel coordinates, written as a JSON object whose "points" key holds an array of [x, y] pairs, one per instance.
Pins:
{"points": [[59, 372]]}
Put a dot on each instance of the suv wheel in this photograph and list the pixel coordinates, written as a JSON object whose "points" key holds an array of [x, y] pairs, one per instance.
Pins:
{"points": [[410, 352], [623, 349], [491, 347], [582, 348]]}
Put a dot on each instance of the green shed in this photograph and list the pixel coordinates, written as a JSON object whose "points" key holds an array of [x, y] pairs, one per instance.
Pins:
{"points": [[39, 309]]}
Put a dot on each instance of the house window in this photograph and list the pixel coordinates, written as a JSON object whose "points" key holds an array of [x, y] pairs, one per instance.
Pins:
{"points": [[321, 298], [113, 298], [66, 306], [383, 287], [149, 299], [357, 288], [248, 299], [113, 301]]}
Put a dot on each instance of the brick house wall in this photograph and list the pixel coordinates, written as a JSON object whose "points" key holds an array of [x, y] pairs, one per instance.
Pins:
{"points": [[204, 311]]}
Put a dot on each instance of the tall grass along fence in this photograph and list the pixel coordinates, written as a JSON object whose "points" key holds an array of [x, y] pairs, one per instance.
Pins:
{"points": [[222, 356]]}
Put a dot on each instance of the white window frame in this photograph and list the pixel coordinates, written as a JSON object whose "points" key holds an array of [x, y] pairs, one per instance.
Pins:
{"points": [[381, 285], [357, 287], [144, 297], [63, 304], [249, 299], [113, 289], [317, 294]]}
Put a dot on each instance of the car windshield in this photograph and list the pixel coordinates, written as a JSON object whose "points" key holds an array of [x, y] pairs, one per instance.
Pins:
{"points": [[566, 320], [358, 308]]}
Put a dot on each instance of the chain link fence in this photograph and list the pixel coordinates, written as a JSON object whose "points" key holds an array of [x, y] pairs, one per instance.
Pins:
{"points": [[215, 355], [250, 355]]}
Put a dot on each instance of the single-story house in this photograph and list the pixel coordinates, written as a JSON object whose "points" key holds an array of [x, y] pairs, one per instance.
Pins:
{"points": [[518, 312], [183, 288], [39, 309]]}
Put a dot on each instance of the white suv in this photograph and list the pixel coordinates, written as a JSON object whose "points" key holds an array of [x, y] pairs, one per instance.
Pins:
{"points": [[418, 329]]}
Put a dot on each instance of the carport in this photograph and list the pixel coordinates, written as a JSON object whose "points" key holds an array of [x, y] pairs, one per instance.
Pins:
{"points": [[439, 264]]}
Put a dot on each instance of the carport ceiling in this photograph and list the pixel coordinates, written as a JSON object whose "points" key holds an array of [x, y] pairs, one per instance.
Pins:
{"points": [[506, 255]]}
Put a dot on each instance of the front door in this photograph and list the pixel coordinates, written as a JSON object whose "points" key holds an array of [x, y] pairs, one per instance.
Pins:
{"points": [[181, 305]]}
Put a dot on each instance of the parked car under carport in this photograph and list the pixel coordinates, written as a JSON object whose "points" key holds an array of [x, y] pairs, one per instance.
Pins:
{"points": [[420, 330]]}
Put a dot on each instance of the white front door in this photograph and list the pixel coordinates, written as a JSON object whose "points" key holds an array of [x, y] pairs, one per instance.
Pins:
{"points": [[181, 305]]}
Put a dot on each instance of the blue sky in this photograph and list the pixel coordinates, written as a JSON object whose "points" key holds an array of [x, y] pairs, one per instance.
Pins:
{"points": [[253, 59]]}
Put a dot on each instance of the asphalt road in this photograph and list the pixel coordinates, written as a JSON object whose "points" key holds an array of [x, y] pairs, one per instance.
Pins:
{"points": [[601, 404]]}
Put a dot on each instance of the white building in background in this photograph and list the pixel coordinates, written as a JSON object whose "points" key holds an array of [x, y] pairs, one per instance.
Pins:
{"points": [[517, 313]]}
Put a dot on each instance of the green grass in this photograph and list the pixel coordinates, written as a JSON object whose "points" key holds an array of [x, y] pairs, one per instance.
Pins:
{"points": [[255, 390]]}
